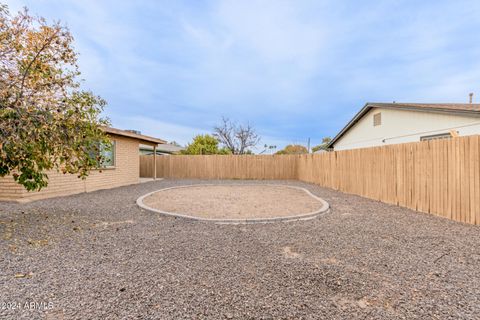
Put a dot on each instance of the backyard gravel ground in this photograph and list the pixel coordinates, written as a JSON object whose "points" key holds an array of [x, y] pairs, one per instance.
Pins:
{"points": [[99, 256], [234, 201]]}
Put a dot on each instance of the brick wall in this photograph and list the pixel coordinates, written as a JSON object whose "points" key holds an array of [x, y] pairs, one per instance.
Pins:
{"points": [[126, 172]]}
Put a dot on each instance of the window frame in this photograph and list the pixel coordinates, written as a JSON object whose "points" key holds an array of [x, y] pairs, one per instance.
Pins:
{"points": [[438, 136], [113, 158]]}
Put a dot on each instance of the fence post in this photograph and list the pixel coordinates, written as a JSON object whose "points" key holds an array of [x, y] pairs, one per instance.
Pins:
{"points": [[155, 162]]}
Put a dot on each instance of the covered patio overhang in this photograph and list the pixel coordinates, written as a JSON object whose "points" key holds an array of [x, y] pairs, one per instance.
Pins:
{"points": [[143, 140]]}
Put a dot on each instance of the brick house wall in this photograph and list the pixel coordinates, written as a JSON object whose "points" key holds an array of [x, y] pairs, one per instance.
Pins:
{"points": [[125, 172]]}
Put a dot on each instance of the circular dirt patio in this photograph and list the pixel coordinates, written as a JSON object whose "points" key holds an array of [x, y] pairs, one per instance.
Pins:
{"points": [[235, 203]]}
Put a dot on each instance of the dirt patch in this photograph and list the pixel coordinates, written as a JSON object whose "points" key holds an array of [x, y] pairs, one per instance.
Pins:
{"points": [[289, 253], [234, 201]]}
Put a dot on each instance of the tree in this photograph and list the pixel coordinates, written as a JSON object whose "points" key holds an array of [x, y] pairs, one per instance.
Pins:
{"points": [[46, 121], [204, 144], [323, 145], [236, 138], [174, 143], [293, 149], [268, 148]]}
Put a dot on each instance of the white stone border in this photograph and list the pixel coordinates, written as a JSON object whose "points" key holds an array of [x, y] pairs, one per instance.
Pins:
{"points": [[306, 216]]}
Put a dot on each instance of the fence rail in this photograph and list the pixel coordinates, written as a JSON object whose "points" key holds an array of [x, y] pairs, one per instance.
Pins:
{"points": [[440, 177]]}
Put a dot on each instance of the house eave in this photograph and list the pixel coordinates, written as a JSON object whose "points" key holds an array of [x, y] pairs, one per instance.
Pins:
{"points": [[140, 137], [369, 105]]}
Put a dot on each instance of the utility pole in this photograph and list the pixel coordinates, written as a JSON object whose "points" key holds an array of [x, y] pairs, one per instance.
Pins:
{"points": [[308, 145]]}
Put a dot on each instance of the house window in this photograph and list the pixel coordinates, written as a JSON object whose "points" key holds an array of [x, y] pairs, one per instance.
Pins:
{"points": [[107, 151], [377, 119], [436, 137]]}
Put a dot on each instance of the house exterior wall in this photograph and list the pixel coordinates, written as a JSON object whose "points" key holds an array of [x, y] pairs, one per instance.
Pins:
{"points": [[125, 172], [401, 126]]}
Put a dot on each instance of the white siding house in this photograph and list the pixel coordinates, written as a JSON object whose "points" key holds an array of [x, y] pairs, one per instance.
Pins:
{"points": [[379, 124]]}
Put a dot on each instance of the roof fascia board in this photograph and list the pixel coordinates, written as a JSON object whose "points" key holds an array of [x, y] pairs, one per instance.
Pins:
{"points": [[354, 120], [370, 105]]}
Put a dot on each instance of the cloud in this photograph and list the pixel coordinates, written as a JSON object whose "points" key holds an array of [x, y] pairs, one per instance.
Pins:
{"points": [[296, 69], [273, 31], [260, 50], [181, 134], [156, 128]]}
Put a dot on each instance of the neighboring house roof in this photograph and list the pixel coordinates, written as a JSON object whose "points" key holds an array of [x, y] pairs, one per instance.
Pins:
{"points": [[164, 147], [134, 135], [465, 109]]}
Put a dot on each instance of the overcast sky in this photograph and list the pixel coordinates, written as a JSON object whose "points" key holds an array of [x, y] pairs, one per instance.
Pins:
{"points": [[294, 69]]}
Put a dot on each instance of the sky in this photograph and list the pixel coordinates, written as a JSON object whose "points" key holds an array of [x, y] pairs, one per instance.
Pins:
{"points": [[294, 69]]}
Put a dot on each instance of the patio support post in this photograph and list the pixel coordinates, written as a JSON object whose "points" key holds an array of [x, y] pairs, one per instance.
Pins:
{"points": [[155, 162]]}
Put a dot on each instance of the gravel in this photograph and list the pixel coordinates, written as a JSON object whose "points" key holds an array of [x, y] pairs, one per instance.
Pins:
{"points": [[99, 256]]}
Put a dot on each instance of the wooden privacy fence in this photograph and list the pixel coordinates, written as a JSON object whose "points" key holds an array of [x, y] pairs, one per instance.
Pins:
{"points": [[440, 177], [146, 166], [222, 167]]}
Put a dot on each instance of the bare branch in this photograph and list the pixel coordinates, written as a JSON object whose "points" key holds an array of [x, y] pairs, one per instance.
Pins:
{"points": [[225, 134], [237, 138]]}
